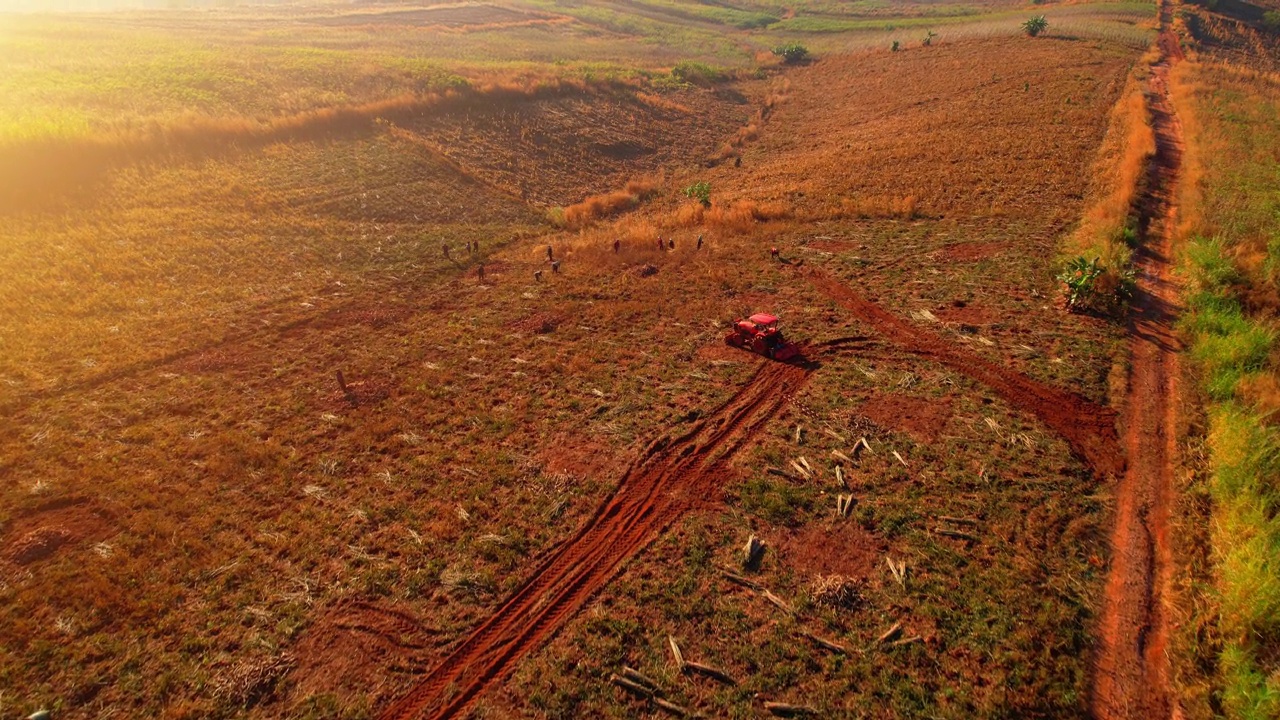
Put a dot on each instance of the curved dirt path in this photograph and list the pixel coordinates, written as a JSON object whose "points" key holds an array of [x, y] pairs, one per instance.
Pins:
{"points": [[1088, 428], [1131, 667], [672, 476]]}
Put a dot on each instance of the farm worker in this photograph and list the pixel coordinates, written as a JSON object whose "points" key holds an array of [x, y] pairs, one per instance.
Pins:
{"points": [[555, 266], [475, 246], [773, 253], [551, 256], [468, 247], [480, 272], [445, 248], [537, 276], [699, 242], [661, 245], [616, 244], [672, 242]]}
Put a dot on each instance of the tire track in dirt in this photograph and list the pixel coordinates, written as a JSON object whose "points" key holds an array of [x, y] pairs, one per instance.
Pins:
{"points": [[672, 476], [1088, 428], [1131, 668]]}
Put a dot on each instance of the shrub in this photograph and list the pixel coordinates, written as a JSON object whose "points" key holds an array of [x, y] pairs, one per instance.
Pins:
{"points": [[928, 38], [1035, 25], [696, 73], [1271, 20], [1089, 285], [792, 53], [896, 46], [700, 191]]}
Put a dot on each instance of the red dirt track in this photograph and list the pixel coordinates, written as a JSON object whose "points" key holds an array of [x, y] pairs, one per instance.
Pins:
{"points": [[1088, 428], [1131, 667], [672, 476]]}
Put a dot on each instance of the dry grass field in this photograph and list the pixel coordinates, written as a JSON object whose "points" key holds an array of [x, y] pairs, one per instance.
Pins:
{"points": [[205, 216]]}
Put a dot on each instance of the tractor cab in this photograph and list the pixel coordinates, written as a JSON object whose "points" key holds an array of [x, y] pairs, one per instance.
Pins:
{"points": [[760, 322]]}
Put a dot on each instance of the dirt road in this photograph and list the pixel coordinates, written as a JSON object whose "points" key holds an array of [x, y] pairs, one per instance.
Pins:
{"points": [[1131, 668], [672, 476]]}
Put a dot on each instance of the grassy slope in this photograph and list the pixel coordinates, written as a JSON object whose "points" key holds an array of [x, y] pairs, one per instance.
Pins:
{"points": [[1231, 262]]}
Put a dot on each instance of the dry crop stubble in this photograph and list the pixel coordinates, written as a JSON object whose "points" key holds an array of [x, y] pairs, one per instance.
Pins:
{"points": [[251, 500], [1000, 527], [951, 127]]}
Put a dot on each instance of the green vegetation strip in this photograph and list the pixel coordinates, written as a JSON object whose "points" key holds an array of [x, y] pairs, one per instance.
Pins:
{"points": [[1232, 338]]}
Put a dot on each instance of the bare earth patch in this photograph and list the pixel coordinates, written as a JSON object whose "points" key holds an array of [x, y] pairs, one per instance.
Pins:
{"points": [[921, 418]]}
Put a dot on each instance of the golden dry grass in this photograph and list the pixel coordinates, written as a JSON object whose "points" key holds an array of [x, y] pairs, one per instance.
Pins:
{"points": [[612, 203], [1118, 177]]}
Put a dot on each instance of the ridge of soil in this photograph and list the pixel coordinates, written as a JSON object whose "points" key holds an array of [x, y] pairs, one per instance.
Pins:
{"points": [[672, 476], [1087, 427], [1131, 668]]}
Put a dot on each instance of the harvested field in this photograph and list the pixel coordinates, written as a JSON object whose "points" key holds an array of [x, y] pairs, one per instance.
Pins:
{"points": [[444, 16], [854, 124], [283, 451]]}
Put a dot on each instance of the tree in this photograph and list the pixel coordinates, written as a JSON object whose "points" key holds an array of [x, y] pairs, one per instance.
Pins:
{"points": [[792, 53], [1035, 25]]}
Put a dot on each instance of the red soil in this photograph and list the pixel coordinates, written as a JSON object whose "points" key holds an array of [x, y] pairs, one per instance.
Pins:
{"points": [[46, 531], [537, 323], [845, 549], [350, 644], [920, 418], [965, 315], [1131, 667]]}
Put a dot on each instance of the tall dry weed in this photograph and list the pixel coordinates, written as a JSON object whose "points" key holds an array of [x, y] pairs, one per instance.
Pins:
{"points": [[738, 215], [878, 207], [597, 207], [1119, 174]]}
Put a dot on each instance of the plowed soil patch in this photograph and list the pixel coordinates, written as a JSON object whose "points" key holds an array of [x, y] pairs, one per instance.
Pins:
{"points": [[568, 459], [1089, 428], [921, 418], [41, 535], [367, 391], [965, 315], [449, 17], [346, 650], [844, 549], [719, 352], [537, 324], [559, 150], [971, 251]]}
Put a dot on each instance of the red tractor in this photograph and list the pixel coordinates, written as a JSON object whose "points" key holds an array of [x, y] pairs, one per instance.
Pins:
{"points": [[760, 334]]}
